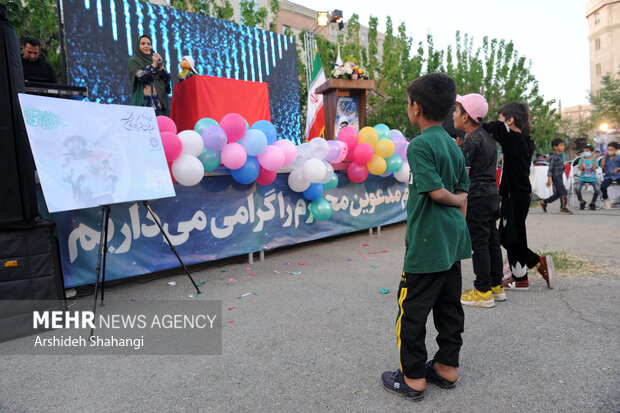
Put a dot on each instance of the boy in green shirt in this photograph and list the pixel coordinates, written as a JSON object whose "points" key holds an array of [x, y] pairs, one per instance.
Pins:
{"points": [[437, 239]]}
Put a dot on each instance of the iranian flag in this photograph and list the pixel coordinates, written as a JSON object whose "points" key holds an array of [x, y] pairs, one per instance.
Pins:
{"points": [[315, 120]]}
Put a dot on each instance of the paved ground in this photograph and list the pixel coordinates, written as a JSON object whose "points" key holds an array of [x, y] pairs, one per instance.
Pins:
{"points": [[318, 341]]}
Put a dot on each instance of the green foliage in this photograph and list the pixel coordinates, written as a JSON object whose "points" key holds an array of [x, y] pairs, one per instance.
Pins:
{"points": [[252, 16], [606, 106], [38, 18], [209, 8]]}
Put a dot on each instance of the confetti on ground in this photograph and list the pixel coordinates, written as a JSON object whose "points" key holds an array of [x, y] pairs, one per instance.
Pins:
{"points": [[302, 263], [384, 291], [246, 294], [231, 321], [223, 270], [287, 263], [244, 277], [364, 245], [295, 272], [190, 296], [276, 271], [172, 283], [248, 268], [231, 280], [378, 252], [231, 308], [133, 299], [201, 283], [373, 266], [253, 274], [362, 256], [349, 259]]}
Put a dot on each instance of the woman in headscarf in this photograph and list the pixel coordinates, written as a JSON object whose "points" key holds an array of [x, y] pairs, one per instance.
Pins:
{"points": [[150, 83]]}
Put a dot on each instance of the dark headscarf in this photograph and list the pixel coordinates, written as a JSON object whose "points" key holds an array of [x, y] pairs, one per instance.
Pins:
{"points": [[137, 62]]}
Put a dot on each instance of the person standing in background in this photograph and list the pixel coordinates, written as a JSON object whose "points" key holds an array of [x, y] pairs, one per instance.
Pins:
{"points": [[35, 68], [150, 83]]}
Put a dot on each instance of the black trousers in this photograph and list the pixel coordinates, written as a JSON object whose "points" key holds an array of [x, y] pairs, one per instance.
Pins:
{"points": [[418, 294], [513, 236], [482, 216], [559, 191]]}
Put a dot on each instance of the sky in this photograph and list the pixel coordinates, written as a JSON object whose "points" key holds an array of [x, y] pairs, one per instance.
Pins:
{"points": [[553, 34]]}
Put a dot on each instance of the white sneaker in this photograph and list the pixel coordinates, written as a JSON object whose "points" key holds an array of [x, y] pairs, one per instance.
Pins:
{"points": [[606, 204]]}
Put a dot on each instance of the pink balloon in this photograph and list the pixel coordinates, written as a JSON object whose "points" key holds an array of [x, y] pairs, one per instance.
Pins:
{"points": [[165, 124], [348, 135], [234, 155], [363, 153], [172, 146], [265, 177], [288, 148], [357, 172], [272, 158], [234, 125], [344, 150]]}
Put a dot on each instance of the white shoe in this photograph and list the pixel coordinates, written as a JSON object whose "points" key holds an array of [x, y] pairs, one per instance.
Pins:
{"points": [[606, 204]]}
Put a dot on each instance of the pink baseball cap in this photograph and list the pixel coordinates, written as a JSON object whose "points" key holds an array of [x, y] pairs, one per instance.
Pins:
{"points": [[475, 105]]}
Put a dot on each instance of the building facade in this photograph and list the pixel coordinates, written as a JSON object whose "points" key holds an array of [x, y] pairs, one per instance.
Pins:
{"points": [[604, 36]]}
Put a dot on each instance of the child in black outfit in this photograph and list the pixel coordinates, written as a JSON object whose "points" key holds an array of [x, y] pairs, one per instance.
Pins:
{"points": [[512, 133]]}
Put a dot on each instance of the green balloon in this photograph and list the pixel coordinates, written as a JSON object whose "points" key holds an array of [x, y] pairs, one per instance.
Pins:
{"points": [[383, 131], [203, 123], [321, 209], [210, 160], [331, 184], [394, 163]]}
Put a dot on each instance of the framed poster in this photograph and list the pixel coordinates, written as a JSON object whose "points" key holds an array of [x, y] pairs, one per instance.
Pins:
{"points": [[90, 154]]}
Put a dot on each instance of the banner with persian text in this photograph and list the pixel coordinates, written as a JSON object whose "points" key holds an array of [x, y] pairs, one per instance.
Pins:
{"points": [[216, 219]]}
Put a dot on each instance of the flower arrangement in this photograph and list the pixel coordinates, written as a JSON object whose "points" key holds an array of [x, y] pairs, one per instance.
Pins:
{"points": [[349, 70]]}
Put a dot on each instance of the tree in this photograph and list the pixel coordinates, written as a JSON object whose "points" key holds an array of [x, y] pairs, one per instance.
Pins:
{"points": [[606, 105], [39, 18], [252, 16], [209, 8]]}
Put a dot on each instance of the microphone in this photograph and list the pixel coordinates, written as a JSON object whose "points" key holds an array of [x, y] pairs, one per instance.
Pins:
{"points": [[158, 60]]}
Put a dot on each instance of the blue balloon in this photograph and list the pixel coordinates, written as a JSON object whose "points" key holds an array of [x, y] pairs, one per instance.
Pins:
{"points": [[203, 123], [248, 172], [314, 191], [268, 129], [254, 142]]}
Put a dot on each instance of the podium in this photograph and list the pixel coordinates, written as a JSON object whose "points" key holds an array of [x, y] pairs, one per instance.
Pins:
{"points": [[334, 88]]}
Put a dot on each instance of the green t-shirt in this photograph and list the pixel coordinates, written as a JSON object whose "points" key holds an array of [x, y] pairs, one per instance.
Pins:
{"points": [[437, 234]]}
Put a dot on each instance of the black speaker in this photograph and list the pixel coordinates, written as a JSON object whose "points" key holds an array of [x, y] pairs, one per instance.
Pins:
{"points": [[30, 275], [18, 200]]}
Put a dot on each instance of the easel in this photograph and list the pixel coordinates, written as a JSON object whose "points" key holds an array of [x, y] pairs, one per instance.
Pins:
{"points": [[103, 249]]}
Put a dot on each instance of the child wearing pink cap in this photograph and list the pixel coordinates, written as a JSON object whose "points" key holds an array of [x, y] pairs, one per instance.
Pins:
{"points": [[483, 200]]}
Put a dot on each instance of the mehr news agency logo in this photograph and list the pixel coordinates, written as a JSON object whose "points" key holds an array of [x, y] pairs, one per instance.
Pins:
{"points": [[53, 319]]}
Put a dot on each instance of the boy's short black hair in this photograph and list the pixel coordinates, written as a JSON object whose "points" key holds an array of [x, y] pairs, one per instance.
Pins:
{"points": [[556, 142], [435, 93], [32, 41], [589, 147], [614, 145], [520, 112]]}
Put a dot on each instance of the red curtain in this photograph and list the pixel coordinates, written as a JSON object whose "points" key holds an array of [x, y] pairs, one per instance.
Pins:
{"points": [[213, 97]]}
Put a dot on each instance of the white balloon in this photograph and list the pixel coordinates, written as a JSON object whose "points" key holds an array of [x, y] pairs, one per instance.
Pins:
{"points": [[299, 161], [305, 149], [314, 170], [402, 175], [297, 182], [329, 172], [320, 148], [192, 142], [187, 170]]}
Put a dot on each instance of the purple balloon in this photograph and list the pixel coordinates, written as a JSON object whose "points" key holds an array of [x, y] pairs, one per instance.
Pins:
{"points": [[334, 151], [214, 138]]}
